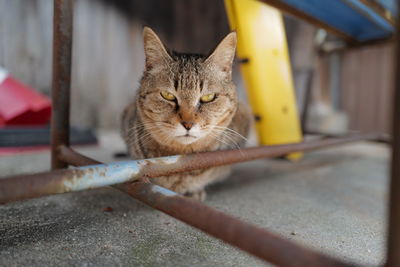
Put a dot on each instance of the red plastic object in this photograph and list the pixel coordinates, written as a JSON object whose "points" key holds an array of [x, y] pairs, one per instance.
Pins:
{"points": [[20, 104]]}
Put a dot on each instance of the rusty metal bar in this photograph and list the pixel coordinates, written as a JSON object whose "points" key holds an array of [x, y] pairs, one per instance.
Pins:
{"points": [[35, 185], [382, 138], [15, 188], [60, 93], [248, 237], [245, 236], [73, 158], [41, 184], [307, 100], [393, 254]]}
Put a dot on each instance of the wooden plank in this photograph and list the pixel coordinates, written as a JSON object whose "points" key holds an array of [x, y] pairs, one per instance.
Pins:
{"points": [[366, 87]]}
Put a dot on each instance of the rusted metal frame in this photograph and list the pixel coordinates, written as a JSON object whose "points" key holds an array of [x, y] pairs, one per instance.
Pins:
{"points": [[60, 181], [245, 236], [255, 241], [62, 54], [381, 138], [393, 253], [307, 100], [303, 16]]}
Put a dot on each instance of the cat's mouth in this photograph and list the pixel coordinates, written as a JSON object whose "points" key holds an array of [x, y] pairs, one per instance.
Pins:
{"points": [[187, 138]]}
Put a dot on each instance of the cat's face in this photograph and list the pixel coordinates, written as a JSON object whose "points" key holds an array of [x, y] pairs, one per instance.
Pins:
{"points": [[186, 98]]}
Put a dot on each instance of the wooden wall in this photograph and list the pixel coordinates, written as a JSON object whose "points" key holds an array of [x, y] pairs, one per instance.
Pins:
{"points": [[107, 47], [366, 87], [25, 40]]}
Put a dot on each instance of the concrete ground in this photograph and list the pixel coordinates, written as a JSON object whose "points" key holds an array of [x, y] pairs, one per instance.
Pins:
{"points": [[332, 201]]}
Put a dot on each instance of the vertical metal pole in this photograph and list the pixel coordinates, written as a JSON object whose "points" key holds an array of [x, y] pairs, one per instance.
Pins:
{"points": [[393, 256], [62, 54], [307, 101]]}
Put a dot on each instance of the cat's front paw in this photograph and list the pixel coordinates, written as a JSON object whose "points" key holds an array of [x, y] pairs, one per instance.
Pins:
{"points": [[197, 195]]}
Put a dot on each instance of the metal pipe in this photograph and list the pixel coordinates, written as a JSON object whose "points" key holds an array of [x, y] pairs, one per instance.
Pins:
{"points": [[245, 236], [393, 253], [381, 138], [307, 100], [70, 156], [60, 93], [35, 185], [250, 238]]}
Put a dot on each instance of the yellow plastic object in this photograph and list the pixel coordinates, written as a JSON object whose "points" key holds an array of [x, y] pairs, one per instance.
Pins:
{"points": [[266, 70]]}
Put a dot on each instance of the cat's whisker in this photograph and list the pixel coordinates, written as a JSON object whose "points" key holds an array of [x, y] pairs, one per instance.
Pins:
{"points": [[144, 139], [142, 124], [236, 144], [230, 134], [230, 138], [223, 135], [135, 130], [230, 130], [217, 137]]}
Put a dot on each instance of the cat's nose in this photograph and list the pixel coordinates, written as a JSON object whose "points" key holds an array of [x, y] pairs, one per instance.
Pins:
{"points": [[187, 124]]}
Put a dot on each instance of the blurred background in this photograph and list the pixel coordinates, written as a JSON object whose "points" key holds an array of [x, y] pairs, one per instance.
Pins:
{"points": [[108, 59], [334, 201]]}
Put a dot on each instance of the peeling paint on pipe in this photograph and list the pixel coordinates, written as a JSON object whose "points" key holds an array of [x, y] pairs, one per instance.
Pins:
{"points": [[60, 181], [81, 178], [113, 173], [250, 238]]}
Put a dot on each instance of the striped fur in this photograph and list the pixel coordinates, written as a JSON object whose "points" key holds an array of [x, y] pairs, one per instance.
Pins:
{"points": [[152, 125]]}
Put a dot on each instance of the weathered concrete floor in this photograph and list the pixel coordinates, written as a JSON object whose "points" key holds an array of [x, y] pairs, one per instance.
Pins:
{"points": [[333, 201]]}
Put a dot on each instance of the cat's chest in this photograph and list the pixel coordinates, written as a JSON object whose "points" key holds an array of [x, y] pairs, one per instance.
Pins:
{"points": [[155, 149]]}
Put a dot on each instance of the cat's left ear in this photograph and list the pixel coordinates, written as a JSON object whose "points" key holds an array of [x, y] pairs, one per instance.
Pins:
{"points": [[222, 57]]}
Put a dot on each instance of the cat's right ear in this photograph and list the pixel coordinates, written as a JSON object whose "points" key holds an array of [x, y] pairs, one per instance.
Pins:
{"points": [[154, 49]]}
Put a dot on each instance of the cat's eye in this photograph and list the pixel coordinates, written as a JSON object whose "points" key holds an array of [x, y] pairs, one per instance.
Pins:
{"points": [[207, 98], [168, 96]]}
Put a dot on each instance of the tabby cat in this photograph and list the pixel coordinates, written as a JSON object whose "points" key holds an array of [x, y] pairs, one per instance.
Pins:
{"points": [[186, 103]]}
